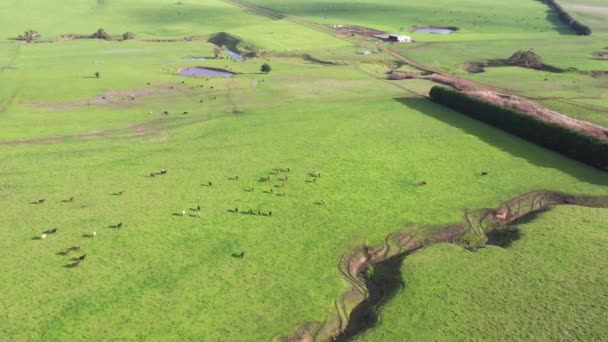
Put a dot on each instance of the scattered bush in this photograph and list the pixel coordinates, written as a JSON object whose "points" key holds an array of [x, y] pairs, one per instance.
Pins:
{"points": [[566, 18], [128, 35], [526, 59], [265, 68], [562, 139], [101, 34], [28, 35]]}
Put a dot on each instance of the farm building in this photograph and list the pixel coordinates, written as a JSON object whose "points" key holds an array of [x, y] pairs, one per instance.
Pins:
{"points": [[399, 38]]}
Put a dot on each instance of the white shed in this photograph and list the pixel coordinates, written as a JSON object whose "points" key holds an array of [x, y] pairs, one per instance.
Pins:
{"points": [[399, 38]]}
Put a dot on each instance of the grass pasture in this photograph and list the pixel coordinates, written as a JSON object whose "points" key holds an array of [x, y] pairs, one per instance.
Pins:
{"points": [[165, 275], [542, 287]]}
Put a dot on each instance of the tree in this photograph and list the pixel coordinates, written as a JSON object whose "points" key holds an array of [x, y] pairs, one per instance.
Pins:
{"points": [[217, 51], [128, 35], [101, 34], [29, 35], [526, 59], [97, 74], [266, 68]]}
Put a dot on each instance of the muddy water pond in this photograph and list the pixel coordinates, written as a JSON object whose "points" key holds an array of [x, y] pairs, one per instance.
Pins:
{"points": [[205, 72], [435, 30], [235, 56], [193, 58]]}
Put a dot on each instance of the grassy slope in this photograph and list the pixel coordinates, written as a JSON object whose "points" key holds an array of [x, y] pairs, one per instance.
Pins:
{"points": [[550, 285], [165, 276]]}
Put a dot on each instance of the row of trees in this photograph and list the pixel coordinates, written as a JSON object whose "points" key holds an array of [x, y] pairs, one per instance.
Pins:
{"points": [[562, 139], [102, 34], [31, 35], [566, 18]]}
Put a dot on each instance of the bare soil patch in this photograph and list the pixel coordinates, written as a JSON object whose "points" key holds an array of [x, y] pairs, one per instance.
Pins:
{"points": [[358, 30], [123, 98], [598, 73]]}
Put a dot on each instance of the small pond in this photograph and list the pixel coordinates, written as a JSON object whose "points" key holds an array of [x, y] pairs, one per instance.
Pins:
{"points": [[205, 72], [193, 58], [436, 30], [235, 56]]}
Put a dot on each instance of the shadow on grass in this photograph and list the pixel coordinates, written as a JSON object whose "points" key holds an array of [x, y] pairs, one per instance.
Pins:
{"points": [[511, 144]]}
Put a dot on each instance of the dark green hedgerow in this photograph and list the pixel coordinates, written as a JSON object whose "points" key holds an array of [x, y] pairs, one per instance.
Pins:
{"points": [[566, 18], [571, 143]]}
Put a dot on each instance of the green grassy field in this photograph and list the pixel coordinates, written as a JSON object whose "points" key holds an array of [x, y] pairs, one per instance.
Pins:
{"points": [[549, 285], [168, 276]]}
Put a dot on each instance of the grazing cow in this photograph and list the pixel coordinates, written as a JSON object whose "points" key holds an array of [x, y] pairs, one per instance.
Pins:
{"points": [[242, 255], [484, 173], [80, 258], [74, 264], [198, 208], [210, 184], [40, 201], [71, 199], [236, 177], [314, 180], [94, 234], [152, 174], [163, 172], [43, 236], [185, 113], [422, 183], [119, 225], [183, 213], [236, 210], [270, 213]]}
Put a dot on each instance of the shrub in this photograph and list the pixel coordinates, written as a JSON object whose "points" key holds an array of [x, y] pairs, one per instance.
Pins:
{"points": [[527, 59], [569, 142], [265, 68], [101, 34], [128, 35], [29, 35]]}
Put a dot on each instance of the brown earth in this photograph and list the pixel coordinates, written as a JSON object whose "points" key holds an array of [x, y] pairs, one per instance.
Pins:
{"points": [[122, 98]]}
